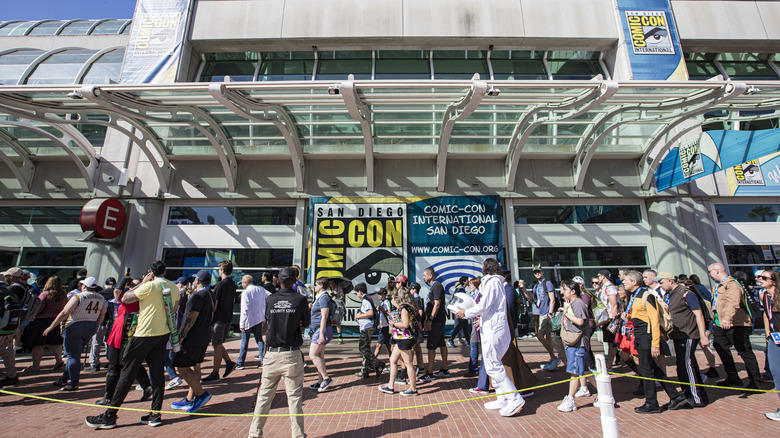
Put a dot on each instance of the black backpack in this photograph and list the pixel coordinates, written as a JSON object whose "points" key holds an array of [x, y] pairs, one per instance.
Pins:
{"points": [[31, 305], [10, 312]]}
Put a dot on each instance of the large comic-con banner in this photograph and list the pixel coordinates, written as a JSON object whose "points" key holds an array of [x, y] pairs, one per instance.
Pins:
{"points": [[368, 240]]}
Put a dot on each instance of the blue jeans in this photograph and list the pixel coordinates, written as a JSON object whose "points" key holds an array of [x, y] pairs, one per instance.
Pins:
{"points": [[169, 369], [773, 353], [483, 382], [257, 332], [74, 339], [474, 358]]}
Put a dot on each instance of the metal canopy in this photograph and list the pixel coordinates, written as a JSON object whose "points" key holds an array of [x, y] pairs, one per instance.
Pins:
{"points": [[473, 119]]}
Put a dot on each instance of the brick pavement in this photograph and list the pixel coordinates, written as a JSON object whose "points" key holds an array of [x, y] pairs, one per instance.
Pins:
{"points": [[730, 413]]}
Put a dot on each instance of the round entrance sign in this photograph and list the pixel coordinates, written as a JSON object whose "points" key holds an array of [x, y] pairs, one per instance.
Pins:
{"points": [[106, 217]]}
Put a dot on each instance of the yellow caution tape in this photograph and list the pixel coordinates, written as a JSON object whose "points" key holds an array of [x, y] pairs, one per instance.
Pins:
{"points": [[696, 384], [206, 414]]}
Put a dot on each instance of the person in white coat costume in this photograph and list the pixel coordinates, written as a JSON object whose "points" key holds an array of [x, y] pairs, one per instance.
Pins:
{"points": [[495, 336]]}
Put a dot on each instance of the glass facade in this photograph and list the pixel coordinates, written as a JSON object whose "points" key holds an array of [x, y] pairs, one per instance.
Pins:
{"points": [[239, 66], [231, 216], [562, 263], [581, 214], [187, 262], [747, 212], [62, 262], [40, 215]]}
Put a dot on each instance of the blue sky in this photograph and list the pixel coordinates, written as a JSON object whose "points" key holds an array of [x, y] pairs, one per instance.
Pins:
{"points": [[65, 9]]}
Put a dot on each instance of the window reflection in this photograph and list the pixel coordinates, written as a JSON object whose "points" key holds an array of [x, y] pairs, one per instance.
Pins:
{"points": [[231, 216], [747, 212]]}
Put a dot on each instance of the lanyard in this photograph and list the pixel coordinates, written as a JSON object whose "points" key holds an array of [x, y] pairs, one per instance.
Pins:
{"points": [[715, 295], [633, 297], [768, 306]]}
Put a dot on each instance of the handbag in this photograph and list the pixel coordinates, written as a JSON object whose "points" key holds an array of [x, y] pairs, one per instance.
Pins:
{"points": [[571, 339], [601, 316], [615, 326], [555, 322]]}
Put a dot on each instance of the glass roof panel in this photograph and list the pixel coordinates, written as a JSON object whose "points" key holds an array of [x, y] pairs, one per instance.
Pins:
{"points": [[107, 67], [47, 27], [78, 27], [13, 65], [21, 28], [9, 26], [33, 142], [110, 27], [60, 68]]}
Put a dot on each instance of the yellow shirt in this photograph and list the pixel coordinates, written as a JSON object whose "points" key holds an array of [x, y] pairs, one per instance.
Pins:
{"points": [[152, 318]]}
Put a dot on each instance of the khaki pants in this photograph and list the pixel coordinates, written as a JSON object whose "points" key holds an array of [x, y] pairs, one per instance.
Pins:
{"points": [[8, 354], [278, 365]]}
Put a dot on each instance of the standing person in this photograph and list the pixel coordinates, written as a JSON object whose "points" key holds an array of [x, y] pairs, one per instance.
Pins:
{"points": [[436, 318], [287, 313], [194, 335], [225, 293], [337, 295], [495, 337], [414, 288], [150, 335], [82, 315], [474, 368], [7, 350], [647, 336], [687, 331], [268, 283], [53, 299], [544, 296], [365, 317], [403, 325], [575, 320], [81, 274], [252, 318], [384, 308], [99, 339], [608, 294], [648, 277], [732, 327], [770, 299], [460, 327], [321, 313]]}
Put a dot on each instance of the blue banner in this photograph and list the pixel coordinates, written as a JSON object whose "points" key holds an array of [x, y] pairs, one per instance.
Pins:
{"points": [[652, 41], [714, 151], [156, 42]]}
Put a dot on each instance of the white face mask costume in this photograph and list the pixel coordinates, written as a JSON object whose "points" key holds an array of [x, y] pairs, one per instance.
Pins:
{"points": [[495, 336]]}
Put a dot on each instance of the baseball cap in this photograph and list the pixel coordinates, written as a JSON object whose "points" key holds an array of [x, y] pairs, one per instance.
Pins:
{"points": [[664, 276], [183, 280], [382, 291], [13, 272], [110, 281], [537, 269], [287, 275], [391, 278], [579, 280], [89, 282], [401, 279], [415, 286], [203, 276], [605, 273]]}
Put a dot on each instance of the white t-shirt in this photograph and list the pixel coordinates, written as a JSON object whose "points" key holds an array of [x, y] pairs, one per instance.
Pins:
{"points": [[365, 322], [385, 305]]}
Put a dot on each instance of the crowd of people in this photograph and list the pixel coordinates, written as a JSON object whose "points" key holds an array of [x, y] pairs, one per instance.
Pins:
{"points": [[640, 318]]}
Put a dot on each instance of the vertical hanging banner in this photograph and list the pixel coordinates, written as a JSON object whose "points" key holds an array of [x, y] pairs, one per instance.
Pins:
{"points": [[156, 42], [652, 41], [369, 240]]}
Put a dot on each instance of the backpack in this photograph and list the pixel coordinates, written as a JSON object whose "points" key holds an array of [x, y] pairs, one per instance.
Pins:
{"points": [[10, 314], [375, 318], [664, 316], [30, 304], [706, 307], [332, 309]]}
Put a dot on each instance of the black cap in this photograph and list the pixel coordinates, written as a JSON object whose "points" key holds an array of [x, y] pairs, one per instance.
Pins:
{"points": [[605, 273], [415, 286], [203, 276], [288, 275]]}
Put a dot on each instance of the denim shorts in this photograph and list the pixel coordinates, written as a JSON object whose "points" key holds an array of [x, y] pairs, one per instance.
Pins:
{"points": [[315, 337], [576, 357]]}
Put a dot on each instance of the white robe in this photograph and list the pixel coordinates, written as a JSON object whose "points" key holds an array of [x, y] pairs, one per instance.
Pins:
{"points": [[495, 334]]}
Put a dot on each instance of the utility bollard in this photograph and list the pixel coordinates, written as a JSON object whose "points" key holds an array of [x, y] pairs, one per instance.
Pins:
{"points": [[609, 426]]}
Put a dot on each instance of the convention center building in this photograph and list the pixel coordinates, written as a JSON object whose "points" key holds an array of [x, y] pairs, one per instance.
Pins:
{"points": [[369, 139]]}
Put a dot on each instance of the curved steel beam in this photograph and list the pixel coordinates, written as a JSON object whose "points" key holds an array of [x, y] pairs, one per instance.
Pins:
{"points": [[242, 105], [456, 111], [517, 142], [359, 111], [26, 172], [647, 167]]}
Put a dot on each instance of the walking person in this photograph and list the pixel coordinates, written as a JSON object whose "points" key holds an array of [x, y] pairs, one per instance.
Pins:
{"points": [[366, 318], [252, 318], [403, 325], [436, 318], [53, 299], [770, 281], [460, 328], [414, 288], [321, 312], [575, 320], [495, 337], [544, 296], [337, 295], [225, 293], [287, 313], [82, 315], [383, 340]]}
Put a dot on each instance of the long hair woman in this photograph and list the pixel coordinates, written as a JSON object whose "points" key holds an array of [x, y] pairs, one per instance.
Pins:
{"points": [[53, 299], [402, 326], [323, 333], [770, 281]]}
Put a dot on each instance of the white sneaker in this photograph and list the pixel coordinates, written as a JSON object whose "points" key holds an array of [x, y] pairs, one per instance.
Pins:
{"points": [[583, 392], [567, 405], [596, 402], [774, 416], [496, 404], [512, 408], [176, 381]]}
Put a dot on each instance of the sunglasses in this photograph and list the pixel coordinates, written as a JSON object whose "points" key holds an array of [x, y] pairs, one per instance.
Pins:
{"points": [[764, 277], [596, 282]]}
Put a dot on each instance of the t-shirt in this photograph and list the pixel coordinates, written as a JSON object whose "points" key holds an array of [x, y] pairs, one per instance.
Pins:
{"points": [[437, 294], [225, 291], [322, 301], [88, 309], [200, 333], [384, 305], [606, 291], [152, 316], [541, 291], [579, 309], [704, 292], [365, 306], [49, 307], [286, 312]]}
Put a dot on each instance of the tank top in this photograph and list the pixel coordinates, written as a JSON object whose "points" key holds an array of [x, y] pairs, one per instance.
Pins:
{"points": [[88, 308]]}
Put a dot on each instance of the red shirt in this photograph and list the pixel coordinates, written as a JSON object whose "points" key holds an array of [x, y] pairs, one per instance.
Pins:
{"points": [[115, 338]]}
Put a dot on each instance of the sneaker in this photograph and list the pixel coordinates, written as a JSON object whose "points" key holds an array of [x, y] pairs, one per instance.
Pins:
{"points": [[31, 369], [147, 394], [258, 357], [69, 388], [774, 416], [341, 342], [379, 369], [451, 344], [442, 373], [211, 378], [386, 370], [552, 365], [324, 385], [363, 375], [239, 366], [409, 392], [527, 393], [596, 402], [463, 342], [386, 389], [314, 386], [512, 408], [567, 405], [420, 371], [176, 381], [426, 378], [101, 421], [712, 373], [766, 378], [199, 402], [400, 381], [152, 419], [139, 388], [496, 404], [103, 401], [59, 383], [583, 392], [182, 404], [229, 367], [9, 381], [731, 382], [478, 391]]}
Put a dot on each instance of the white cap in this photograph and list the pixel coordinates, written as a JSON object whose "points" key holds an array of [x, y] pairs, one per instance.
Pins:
{"points": [[89, 282]]}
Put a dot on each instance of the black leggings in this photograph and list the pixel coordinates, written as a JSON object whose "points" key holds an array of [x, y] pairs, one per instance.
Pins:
{"points": [[115, 368]]}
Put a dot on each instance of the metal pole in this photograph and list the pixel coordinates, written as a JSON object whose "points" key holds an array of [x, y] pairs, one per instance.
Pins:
{"points": [[609, 426]]}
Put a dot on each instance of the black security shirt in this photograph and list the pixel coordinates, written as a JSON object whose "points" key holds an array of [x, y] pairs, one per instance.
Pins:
{"points": [[225, 291], [200, 333], [287, 312], [437, 294]]}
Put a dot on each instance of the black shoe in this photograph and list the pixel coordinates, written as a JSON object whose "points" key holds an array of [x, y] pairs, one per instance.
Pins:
{"points": [[103, 401], [751, 385], [152, 419], [646, 409], [59, 383], [712, 373], [9, 381], [229, 367], [147, 394], [363, 375], [101, 421], [678, 403], [211, 378], [442, 373], [731, 382], [379, 369]]}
